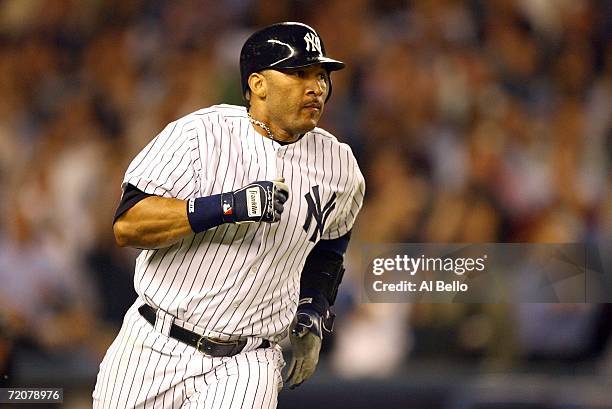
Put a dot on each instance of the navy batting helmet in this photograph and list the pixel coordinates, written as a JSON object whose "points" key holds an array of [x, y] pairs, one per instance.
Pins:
{"points": [[284, 46]]}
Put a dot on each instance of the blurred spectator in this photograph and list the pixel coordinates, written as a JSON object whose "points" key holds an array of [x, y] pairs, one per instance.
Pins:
{"points": [[47, 307]]}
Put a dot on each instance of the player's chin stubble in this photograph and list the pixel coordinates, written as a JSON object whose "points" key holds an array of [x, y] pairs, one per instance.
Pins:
{"points": [[313, 116]]}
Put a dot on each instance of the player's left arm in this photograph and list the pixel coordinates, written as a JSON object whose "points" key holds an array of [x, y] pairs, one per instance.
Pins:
{"points": [[321, 277]]}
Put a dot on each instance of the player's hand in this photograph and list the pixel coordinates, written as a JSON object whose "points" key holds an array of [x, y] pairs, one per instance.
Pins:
{"points": [[261, 201], [305, 337]]}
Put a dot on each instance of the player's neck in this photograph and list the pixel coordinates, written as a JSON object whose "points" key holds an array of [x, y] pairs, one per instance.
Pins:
{"points": [[268, 129]]}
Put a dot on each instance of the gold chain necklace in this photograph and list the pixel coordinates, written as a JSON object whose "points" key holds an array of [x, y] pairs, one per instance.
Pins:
{"points": [[263, 126]]}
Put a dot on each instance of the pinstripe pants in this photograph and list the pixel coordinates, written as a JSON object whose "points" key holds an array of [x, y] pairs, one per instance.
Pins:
{"points": [[144, 368]]}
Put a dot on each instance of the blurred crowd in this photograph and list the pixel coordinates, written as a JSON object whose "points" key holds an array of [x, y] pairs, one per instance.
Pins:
{"points": [[473, 121]]}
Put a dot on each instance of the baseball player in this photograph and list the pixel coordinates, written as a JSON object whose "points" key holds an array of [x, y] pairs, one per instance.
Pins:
{"points": [[244, 215]]}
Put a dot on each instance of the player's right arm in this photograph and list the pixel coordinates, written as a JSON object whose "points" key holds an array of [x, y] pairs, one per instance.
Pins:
{"points": [[149, 222], [160, 206], [154, 222]]}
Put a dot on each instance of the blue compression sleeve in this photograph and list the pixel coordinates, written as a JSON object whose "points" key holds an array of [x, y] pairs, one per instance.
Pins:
{"points": [[323, 271], [338, 245]]}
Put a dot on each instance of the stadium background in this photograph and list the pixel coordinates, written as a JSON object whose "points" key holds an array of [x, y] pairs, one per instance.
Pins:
{"points": [[473, 121]]}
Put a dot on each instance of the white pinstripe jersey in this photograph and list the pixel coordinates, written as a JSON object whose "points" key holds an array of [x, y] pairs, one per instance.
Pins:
{"points": [[241, 280]]}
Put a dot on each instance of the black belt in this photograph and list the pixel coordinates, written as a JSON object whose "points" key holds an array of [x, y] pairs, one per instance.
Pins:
{"points": [[208, 346]]}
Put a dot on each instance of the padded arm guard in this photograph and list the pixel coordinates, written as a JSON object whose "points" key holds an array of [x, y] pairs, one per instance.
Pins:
{"points": [[319, 283], [323, 272]]}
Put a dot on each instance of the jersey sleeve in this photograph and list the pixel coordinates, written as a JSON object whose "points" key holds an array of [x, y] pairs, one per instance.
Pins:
{"points": [[165, 167], [349, 204]]}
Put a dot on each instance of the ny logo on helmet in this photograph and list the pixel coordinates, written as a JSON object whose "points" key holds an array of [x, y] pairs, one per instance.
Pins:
{"points": [[317, 213], [313, 43]]}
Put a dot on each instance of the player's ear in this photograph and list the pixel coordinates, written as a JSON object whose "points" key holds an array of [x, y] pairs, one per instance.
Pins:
{"points": [[257, 84]]}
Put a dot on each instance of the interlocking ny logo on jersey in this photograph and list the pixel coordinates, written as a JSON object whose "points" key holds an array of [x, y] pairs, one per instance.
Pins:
{"points": [[315, 212], [313, 43]]}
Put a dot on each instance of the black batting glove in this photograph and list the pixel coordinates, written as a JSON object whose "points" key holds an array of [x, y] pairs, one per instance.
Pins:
{"points": [[261, 201], [312, 319]]}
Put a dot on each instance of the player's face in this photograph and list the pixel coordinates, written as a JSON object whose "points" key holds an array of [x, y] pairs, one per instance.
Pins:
{"points": [[296, 97]]}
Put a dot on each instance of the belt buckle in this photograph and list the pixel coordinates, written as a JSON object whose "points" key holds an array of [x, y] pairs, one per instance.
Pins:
{"points": [[200, 346]]}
